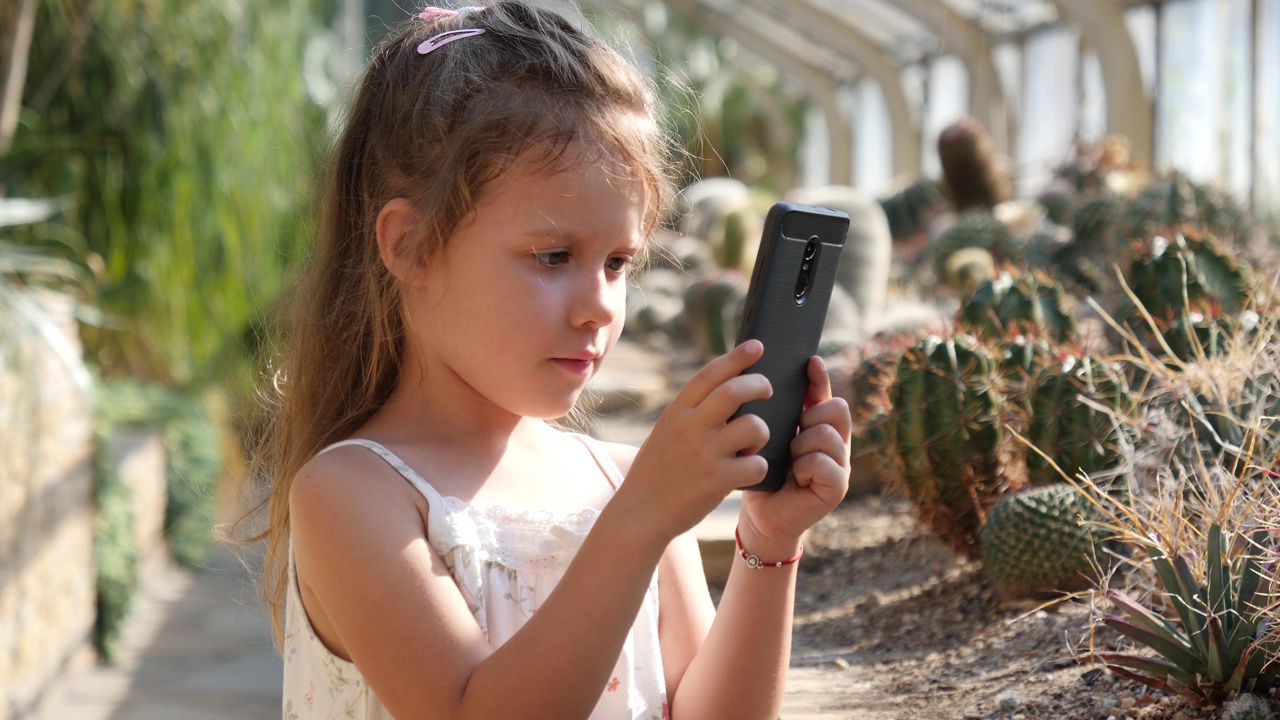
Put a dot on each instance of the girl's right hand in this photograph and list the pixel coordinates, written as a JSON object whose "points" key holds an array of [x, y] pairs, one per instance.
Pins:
{"points": [[694, 457]]}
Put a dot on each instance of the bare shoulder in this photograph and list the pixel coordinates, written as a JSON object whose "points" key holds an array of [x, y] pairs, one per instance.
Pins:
{"points": [[621, 454], [348, 504]]}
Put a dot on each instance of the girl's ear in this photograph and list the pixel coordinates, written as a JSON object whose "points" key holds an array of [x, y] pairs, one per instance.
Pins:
{"points": [[397, 221]]}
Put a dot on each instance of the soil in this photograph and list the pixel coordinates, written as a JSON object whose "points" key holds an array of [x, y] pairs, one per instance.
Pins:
{"points": [[901, 627]]}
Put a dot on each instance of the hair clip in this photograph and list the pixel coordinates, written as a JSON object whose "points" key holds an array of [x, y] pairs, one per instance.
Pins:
{"points": [[430, 13], [438, 41]]}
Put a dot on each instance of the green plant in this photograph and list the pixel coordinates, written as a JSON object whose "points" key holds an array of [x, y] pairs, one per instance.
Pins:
{"points": [[114, 553], [712, 307], [1077, 408], [1175, 204], [948, 438], [1193, 290], [1213, 643], [1043, 539], [1018, 304], [911, 208], [975, 229], [193, 457]]}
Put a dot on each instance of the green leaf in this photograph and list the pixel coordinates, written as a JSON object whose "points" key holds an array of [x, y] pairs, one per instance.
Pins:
{"points": [[1172, 648], [1152, 667]]}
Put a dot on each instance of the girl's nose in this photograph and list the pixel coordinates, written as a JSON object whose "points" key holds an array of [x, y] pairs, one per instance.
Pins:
{"points": [[597, 300]]}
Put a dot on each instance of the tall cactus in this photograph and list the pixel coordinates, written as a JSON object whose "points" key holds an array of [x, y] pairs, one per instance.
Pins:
{"points": [[974, 172], [1066, 426], [948, 436]]}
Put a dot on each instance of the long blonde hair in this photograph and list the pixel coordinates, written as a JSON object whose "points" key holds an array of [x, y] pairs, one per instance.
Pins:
{"points": [[435, 129]]}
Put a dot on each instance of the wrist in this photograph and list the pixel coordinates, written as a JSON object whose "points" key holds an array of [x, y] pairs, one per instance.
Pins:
{"points": [[755, 562], [768, 550]]}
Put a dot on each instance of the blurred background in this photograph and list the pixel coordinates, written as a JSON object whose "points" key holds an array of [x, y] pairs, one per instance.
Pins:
{"points": [[158, 168]]}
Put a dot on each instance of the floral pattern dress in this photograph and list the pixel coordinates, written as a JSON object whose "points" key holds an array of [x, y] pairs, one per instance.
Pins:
{"points": [[505, 562]]}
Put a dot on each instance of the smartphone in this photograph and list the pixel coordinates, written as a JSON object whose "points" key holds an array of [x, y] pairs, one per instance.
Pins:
{"points": [[786, 306]]}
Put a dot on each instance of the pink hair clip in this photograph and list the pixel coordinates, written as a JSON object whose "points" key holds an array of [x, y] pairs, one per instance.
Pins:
{"points": [[430, 13], [435, 42]]}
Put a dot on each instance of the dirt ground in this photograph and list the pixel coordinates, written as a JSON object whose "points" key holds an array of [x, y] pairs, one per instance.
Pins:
{"points": [[903, 628]]}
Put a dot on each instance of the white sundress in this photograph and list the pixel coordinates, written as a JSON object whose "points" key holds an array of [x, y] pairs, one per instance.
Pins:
{"points": [[505, 562]]}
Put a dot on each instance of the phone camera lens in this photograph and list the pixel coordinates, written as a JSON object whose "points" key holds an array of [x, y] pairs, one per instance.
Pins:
{"points": [[811, 249]]}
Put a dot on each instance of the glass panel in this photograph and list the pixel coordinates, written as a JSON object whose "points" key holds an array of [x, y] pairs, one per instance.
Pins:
{"points": [[1190, 97], [1267, 153], [1049, 106], [948, 100], [1238, 99], [1141, 22], [873, 140], [1093, 101]]}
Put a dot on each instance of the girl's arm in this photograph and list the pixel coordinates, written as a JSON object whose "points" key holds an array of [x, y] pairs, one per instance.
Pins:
{"points": [[737, 667], [358, 539]]}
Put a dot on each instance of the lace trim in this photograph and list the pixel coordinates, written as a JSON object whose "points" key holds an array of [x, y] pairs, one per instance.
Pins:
{"points": [[521, 540]]}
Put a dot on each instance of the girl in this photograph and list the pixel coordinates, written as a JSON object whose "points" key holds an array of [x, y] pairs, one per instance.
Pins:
{"points": [[436, 548]]}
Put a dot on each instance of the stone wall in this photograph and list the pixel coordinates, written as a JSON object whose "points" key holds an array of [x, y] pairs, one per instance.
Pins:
{"points": [[46, 511]]}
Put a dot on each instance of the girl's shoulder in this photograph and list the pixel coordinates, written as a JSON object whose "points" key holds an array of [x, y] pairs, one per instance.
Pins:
{"points": [[350, 476]]}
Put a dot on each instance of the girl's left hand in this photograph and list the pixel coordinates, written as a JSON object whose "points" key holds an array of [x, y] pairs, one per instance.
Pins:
{"points": [[819, 474]]}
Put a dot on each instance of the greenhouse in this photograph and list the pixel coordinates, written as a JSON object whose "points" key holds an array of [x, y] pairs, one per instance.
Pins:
{"points": [[800, 359]]}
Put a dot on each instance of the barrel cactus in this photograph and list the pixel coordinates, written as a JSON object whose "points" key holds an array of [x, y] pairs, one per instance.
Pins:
{"points": [[1193, 288], [1176, 205], [909, 210], [948, 436], [1022, 303], [979, 230], [1042, 539], [1076, 420]]}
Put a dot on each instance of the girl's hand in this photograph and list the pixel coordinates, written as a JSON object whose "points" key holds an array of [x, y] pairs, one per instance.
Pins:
{"points": [[690, 461], [772, 523]]}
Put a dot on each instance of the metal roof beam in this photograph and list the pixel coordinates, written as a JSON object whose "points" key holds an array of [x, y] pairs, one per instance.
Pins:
{"points": [[963, 37], [833, 32]]}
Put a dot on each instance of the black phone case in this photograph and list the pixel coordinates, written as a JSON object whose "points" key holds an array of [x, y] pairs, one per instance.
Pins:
{"points": [[790, 330]]}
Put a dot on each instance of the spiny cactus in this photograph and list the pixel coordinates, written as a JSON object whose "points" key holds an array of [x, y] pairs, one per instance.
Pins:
{"points": [[1177, 204], [1023, 303], [974, 172], [1041, 540], [909, 210], [948, 437], [1186, 284], [1066, 426], [712, 308], [975, 230]]}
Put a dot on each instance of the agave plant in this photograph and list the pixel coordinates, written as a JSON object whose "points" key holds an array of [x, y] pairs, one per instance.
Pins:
{"points": [[1214, 645]]}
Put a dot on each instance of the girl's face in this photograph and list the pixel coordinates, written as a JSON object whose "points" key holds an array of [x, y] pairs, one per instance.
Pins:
{"points": [[520, 308]]}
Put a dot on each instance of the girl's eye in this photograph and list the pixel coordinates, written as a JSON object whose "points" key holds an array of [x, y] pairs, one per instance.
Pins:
{"points": [[621, 264], [555, 258]]}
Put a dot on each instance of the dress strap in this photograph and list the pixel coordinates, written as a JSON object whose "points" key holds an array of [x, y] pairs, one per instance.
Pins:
{"points": [[434, 499], [603, 459]]}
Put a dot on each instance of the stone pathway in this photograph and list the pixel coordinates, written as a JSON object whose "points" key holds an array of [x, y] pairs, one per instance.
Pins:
{"points": [[197, 646]]}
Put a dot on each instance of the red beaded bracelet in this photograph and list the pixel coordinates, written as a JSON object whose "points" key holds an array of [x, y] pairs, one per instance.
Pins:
{"points": [[755, 563]]}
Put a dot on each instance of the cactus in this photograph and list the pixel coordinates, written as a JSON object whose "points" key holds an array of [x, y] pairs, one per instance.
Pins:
{"points": [[1186, 284], [1074, 434], [1042, 539], [712, 308], [908, 211], [1030, 303], [733, 246], [1177, 204], [948, 437], [974, 173], [974, 230]]}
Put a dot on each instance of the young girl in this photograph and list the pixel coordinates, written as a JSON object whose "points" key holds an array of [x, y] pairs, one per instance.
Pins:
{"points": [[436, 548]]}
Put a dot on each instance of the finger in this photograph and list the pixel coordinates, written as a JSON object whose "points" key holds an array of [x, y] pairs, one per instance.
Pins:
{"points": [[746, 470], [823, 439], [833, 412], [819, 382], [732, 394], [821, 474], [745, 435], [716, 372]]}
